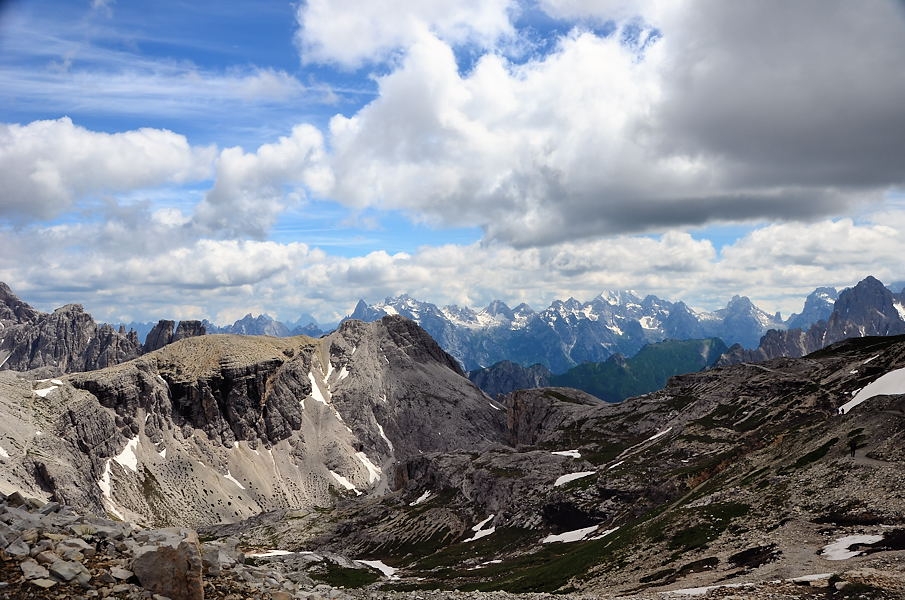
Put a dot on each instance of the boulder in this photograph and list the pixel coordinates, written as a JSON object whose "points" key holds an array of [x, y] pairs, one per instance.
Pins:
{"points": [[169, 563]]}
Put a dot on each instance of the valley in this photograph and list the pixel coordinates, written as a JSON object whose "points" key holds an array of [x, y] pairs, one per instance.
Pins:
{"points": [[365, 459]]}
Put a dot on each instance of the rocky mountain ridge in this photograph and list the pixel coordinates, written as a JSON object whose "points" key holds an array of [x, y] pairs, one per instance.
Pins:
{"points": [[571, 332], [613, 380], [69, 340], [867, 309], [370, 443]]}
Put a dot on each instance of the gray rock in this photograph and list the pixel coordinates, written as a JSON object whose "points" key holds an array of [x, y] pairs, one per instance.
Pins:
{"points": [[32, 570], [18, 549], [65, 570], [170, 564]]}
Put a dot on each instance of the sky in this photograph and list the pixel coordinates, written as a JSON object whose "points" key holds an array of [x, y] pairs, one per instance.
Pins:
{"points": [[190, 160]]}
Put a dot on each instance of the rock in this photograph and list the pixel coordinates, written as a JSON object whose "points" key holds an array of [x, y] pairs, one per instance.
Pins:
{"points": [[32, 570], [44, 583], [18, 549], [65, 570], [170, 564], [120, 573]]}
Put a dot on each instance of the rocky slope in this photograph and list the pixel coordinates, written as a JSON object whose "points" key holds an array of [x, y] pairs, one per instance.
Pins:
{"points": [[68, 340], [220, 428], [867, 309], [733, 476], [370, 444]]}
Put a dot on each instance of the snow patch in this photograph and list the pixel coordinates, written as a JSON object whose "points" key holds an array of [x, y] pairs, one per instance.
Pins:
{"points": [[421, 499], [269, 553], [44, 392], [564, 479], [233, 479], [387, 570], [480, 534], [163, 453], [345, 483], [605, 533], [479, 530], [127, 457], [570, 536], [316, 390], [614, 465], [839, 550], [390, 310], [384, 436], [649, 323], [900, 309], [569, 453], [656, 435], [374, 471], [888, 384], [494, 406], [3, 452], [106, 492], [343, 373]]}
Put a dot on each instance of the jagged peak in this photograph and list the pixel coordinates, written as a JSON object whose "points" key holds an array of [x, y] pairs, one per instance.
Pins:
{"points": [[618, 297]]}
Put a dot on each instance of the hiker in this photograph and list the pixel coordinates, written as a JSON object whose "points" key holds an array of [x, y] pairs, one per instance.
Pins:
{"points": [[853, 445]]}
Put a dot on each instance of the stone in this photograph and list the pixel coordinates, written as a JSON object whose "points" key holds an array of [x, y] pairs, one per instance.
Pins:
{"points": [[66, 570], [18, 549], [46, 557], [170, 563], [44, 583], [32, 570], [120, 573]]}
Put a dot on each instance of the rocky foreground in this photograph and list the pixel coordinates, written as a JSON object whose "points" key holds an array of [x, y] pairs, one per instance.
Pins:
{"points": [[50, 551]]}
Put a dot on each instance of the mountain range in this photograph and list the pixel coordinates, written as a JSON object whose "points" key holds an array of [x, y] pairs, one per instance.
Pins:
{"points": [[369, 445]]}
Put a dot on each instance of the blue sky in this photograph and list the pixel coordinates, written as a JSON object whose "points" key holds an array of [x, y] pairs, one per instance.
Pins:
{"points": [[205, 160]]}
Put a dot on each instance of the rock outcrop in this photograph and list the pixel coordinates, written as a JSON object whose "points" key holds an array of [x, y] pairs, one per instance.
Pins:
{"points": [[68, 340], [868, 309], [223, 427]]}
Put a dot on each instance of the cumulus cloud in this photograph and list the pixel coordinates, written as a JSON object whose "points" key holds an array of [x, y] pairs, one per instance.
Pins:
{"points": [[706, 118], [351, 33], [48, 165], [252, 189], [149, 269]]}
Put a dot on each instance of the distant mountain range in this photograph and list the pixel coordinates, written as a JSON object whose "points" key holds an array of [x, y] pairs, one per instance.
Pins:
{"points": [[613, 380], [566, 334], [570, 332], [868, 309]]}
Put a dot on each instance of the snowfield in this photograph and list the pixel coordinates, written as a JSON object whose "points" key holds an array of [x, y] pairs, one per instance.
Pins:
{"points": [[840, 549], [570, 536], [888, 384], [564, 479]]}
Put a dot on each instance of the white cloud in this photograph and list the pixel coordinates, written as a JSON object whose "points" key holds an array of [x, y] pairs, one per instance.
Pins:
{"points": [[48, 165], [151, 267], [351, 33], [251, 190], [709, 119]]}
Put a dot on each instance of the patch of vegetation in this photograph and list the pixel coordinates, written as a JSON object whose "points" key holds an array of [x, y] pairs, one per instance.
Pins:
{"points": [[857, 590], [709, 523], [649, 370], [750, 477], [337, 576], [755, 557], [560, 396], [679, 402], [662, 574], [816, 454]]}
